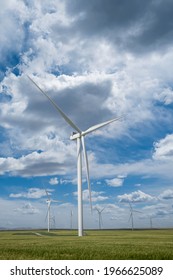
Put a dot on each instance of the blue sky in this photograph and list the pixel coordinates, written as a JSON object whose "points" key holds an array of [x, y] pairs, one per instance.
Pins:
{"points": [[97, 60]]}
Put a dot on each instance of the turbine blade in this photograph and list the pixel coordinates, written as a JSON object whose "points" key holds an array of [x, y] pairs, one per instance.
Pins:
{"points": [[130, 217], [131, 209], [87, 169], [97, 126], [46, 215], [47, 194], [56, 107], [137, 211]]}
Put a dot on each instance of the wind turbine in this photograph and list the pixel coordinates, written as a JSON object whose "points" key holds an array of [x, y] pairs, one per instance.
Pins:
{"points": [[100, 216], [71, 219], [53, 221], [131, 214], [49, 201], [151, 223], [78, 135]]}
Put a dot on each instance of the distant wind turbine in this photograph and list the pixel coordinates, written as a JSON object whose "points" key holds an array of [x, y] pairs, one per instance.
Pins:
{"points": [[53, 222], [100, 216], [48, 217], [151, 223], [78, 135], [131, 214], [71, 219]]}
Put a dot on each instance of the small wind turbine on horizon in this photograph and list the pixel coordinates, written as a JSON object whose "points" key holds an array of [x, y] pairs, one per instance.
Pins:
{"points": [[131, 215], [78, 135], [52, 221], [151, 223], [71, 219], [48, 216], [100, 216]]}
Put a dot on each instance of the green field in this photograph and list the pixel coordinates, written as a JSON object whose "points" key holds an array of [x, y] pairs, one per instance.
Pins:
{"points": [[95, 245]]}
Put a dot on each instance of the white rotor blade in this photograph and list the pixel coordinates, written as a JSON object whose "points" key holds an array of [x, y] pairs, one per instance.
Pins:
{"points": [[46, 214], [137, 211], [47, 194], [87, 169], [131, 209], [97, 126], [130, 217], [57, 107]]}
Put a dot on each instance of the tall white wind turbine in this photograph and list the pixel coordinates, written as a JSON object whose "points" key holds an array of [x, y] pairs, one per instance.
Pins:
{"points": [[78, 135]]}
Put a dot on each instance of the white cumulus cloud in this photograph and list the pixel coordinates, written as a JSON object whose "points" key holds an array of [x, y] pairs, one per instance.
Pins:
{"points": [[137, 196], [54, 181], [116, 182]]}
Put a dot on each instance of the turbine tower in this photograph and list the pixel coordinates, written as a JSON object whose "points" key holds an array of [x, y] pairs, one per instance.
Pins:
{"points": [[78, 135], [49, 201], [100, 216]]}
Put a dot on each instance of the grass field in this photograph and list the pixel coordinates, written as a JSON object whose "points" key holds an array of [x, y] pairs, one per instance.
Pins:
{"points": [[95, 245]]}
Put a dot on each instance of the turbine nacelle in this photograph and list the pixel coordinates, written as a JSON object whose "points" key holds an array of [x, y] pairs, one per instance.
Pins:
{"points": [[75, 135]]}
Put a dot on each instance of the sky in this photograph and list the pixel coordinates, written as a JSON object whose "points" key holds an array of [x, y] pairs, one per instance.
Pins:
{"points": [[97, 60]]}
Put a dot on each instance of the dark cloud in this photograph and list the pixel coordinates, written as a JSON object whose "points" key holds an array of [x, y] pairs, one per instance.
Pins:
{"points": [[87, 102], [40, 169], [82, 103], [158, 30], [100, 15], [134, 25]]}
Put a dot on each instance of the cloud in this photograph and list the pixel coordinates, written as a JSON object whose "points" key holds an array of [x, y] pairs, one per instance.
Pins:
{"points": [[36, 163], [28, 209], [116, 182], [163, 213], [167, 194], [62, 158], [164, 148], [137, 196], [133, 26], [32, 193], [12, 36], [166, 96], [68, 181], [137, 185], [95, 196], [54, 181]]}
